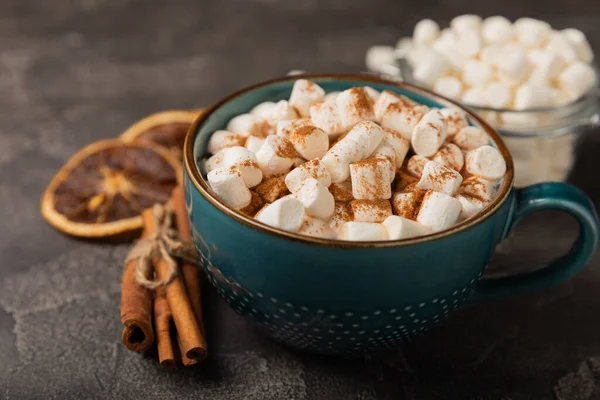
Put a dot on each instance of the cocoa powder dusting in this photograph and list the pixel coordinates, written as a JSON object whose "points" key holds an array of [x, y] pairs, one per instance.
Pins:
{"points": [[272, 189]]}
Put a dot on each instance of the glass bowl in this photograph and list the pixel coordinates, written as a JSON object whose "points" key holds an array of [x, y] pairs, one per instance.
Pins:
{"points": [[542, 141]]}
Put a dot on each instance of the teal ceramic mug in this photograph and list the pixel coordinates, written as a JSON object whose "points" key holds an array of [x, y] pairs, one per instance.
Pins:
{"points": [[340, 297]]}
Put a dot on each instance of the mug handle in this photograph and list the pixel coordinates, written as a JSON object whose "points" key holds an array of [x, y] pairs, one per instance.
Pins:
{"points": [[545, 196]]}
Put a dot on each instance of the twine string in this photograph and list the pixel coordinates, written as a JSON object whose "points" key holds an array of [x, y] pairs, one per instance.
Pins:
{"points": [[163, 243]]}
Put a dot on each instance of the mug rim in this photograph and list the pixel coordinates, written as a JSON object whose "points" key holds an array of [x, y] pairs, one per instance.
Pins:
{"points": [[203, 188]]}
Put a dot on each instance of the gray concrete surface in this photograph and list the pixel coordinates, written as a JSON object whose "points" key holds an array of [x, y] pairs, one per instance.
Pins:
{"points": [[75, 71]]}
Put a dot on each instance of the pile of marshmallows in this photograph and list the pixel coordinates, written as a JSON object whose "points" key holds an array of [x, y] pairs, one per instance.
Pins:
{"points": [[354, 165], [496, 63]]}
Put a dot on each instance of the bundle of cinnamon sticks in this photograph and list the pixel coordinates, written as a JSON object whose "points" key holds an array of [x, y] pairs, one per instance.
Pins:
{"points": [[171, 315]]}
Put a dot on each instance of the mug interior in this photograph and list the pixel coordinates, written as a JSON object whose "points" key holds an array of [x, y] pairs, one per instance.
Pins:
{"points": [[216, 118]]}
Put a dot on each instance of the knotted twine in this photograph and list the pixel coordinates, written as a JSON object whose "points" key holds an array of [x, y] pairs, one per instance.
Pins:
{"points": [[164, 243]]}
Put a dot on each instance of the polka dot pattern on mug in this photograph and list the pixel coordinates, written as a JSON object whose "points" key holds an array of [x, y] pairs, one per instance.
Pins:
{"points": [[325, 331]]}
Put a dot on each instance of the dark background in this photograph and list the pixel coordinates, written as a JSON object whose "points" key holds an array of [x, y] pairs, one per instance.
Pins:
{"points": [[75, 71]]}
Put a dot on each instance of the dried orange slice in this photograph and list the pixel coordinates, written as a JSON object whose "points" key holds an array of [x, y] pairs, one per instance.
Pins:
{"points": [[167, 128], [103, 189]]}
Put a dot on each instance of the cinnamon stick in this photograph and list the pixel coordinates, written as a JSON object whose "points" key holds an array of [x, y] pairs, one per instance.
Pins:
{"points": [[190, 273], [191, 339], [136, 306], [163, 319]]}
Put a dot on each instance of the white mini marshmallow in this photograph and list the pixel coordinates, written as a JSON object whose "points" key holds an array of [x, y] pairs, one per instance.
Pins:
{"points": [[448, 86], [315, 198], [276, 155], [450, 155], [470, 206], [370, 210], [497, 30], [577, 79], [407, 204], [304, 95], [373, 93], [440, 178], [532, 32], [476, 73], [213, 162], [416, 164], [403, 117], [325, 116], [316, 228], [559, 45], [400, 145], [530, 96], [254, 143], [341, 214], [547, 64], [222, 139], [229, 186], [245, 161], [281, 111], [337, 160], [331, 96], [402, 228], [492, 55], [486, 162], [498, 95], [469, 44], [309, 141], [370, 179], [478, 187], [438, 211], [368, 135], [363, 231], [429, 134], [286, 213], [425, 32], [312, 169], [285, 128], [386, 152], [456, 119], [354, 105], [378, 57], [470, 138], [247, 124], [579, 41], [446, 46], [465, 23], [263, 110], [474, 96], [514, 66], [415, 55], [386, 98], [431, 67]]}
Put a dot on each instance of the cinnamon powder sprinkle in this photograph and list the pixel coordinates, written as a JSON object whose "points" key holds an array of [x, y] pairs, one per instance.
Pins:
{"points": [[314, 169], [379, 209], [272, 188], [340, 192], [407, 205], [256, 203], [300, 134], [284, 148]]}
